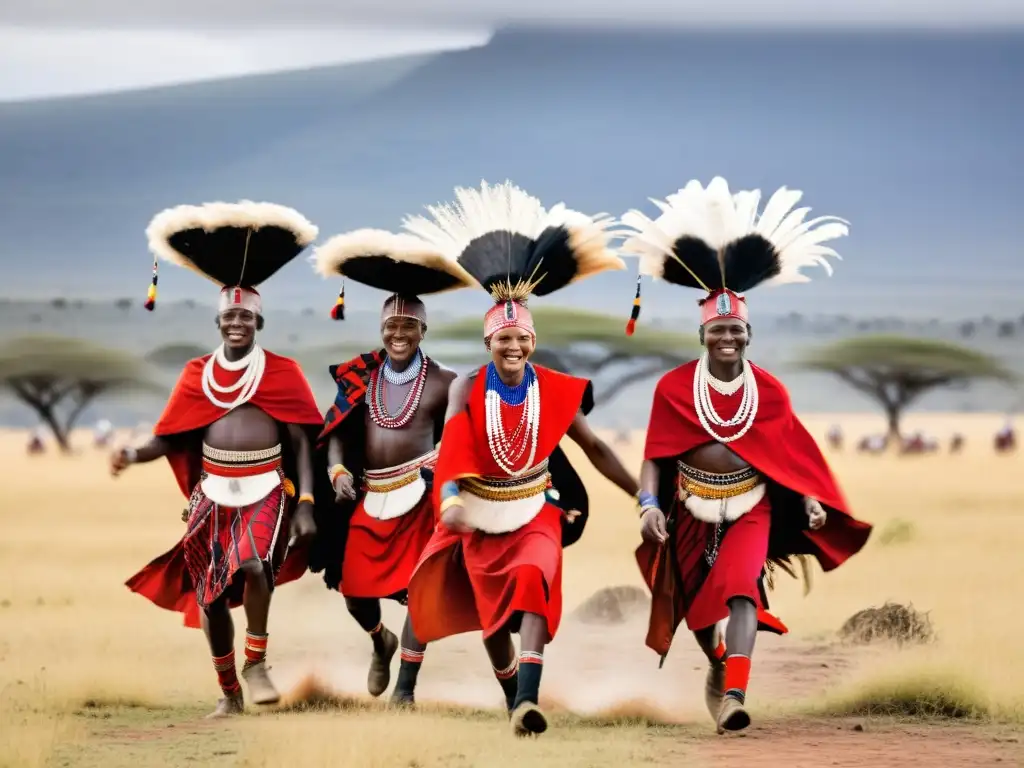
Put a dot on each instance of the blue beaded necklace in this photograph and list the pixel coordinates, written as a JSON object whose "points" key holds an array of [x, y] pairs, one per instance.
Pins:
{"points": [[510, 395]]}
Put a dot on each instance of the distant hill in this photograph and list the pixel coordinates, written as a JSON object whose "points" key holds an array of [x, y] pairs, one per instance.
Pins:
{"points": [[914, 138]]}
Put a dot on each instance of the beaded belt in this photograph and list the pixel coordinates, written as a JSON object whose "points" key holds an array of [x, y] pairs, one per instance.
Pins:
{"points": [[492, 488], [711, 485], [393, 478], [240, 463]]}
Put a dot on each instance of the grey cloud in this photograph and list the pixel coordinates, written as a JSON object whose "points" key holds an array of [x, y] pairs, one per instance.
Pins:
{"points": [[761, 13]]}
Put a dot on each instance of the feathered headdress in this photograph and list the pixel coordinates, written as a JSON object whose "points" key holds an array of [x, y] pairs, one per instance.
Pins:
{"points": [[401, 264], [717, 242], [235, 245], [512, 246]]}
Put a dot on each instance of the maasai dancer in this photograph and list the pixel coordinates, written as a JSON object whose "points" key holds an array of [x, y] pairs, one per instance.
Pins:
{"points": [[236, 432], [495, 561], [382, 431], [745, 490]]}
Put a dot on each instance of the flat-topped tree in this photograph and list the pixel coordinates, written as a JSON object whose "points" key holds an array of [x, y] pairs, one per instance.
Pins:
{"points": [[895, 371], [176, 355], [59, 377], [588, 344]]}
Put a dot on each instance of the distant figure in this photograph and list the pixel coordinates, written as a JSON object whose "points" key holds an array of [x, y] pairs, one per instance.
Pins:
{"points": [[956, 444], [835, 437], [102, 433], [1006, 438], [36, 444], [919, 443], [873, 444]]}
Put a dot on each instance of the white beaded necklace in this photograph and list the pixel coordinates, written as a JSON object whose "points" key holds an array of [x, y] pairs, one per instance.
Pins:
{"points": [[508, 452], [254, 363], [703, 382]]}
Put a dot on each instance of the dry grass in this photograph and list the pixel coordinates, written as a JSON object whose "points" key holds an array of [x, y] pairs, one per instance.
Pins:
{"points": [[93, 675]]}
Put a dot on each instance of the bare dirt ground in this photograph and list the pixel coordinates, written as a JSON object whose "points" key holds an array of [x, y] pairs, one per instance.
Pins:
{"points": [[93, 676]]}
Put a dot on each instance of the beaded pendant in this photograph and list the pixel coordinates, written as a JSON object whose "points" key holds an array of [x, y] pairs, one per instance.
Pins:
{"points": [[508, 450], [377, 404]]}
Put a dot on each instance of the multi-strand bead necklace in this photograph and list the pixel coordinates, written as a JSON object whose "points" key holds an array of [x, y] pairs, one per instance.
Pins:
{"points": [[254, 364], [508, 450], [704, 382], [416, 372]]}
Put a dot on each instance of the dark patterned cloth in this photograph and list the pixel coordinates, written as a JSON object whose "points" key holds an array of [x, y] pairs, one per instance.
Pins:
{"points": [[327, 551], [352, 379]]}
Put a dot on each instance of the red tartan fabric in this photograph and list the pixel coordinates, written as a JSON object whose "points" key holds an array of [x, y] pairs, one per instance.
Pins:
{"points": [[219, 539], [352, 378]]}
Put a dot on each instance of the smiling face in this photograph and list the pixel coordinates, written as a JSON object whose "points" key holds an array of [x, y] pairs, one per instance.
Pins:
{"points": [[237, 328], [510, 349], [726, 340], [401, 337]]}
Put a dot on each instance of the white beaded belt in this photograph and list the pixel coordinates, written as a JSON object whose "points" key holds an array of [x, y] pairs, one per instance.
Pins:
{"points": [[394, 491], [240, 478], [714, 497], [504, 504]]}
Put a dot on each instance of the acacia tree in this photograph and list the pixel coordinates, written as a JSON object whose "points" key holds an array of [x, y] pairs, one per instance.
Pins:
{"points": [[894, 371], [591, 344], [59, 377]]}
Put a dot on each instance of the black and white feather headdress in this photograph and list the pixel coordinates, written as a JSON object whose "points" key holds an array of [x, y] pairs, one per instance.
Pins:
{"points": [[232, 244], [714, 240]]}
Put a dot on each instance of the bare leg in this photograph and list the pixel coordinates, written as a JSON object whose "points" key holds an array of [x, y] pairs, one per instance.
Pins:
{"points": [[714, 684], [366, 612], [220, 634], [502, 653], [409, 668], [256, 602], [527, 717], [739, 640]]}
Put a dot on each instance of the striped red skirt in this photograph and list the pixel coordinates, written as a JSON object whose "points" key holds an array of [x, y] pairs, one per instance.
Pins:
{"points": [[484, 581], [219, 539]]}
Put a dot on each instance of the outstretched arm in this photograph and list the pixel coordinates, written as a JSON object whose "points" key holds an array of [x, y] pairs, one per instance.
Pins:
{"points": [[156, 448], [600, 455]]}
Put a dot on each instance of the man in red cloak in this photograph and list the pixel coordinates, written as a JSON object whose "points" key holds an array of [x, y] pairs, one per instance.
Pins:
{"points": [[494, 562], [236, 433], [741, 485]]}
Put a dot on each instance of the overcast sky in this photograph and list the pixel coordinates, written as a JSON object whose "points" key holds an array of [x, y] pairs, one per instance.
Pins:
{"points": [[56, 47]]}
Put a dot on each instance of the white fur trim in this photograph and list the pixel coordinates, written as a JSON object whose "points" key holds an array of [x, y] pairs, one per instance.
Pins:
{"points": [[724, 510], [211, 216], [401, 247], [239, 491], [500, 516], [720, 218]]}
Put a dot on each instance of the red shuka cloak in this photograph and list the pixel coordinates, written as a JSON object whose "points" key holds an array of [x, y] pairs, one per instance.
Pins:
{"points": [[441, 598], [777, 445], [464, 454], [284, 395]]}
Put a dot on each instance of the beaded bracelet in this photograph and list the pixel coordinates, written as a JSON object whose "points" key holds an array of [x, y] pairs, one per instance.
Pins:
{"points": [[306, 497], [336, 471], [448, 503], [647, 508], [449, 490]]}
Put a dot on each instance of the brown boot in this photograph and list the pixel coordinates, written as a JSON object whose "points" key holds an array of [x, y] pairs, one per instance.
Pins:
{"points": [[228, 706], [732, 716], [714, 688], [380, 666], [261, 690], [528, 719]]}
